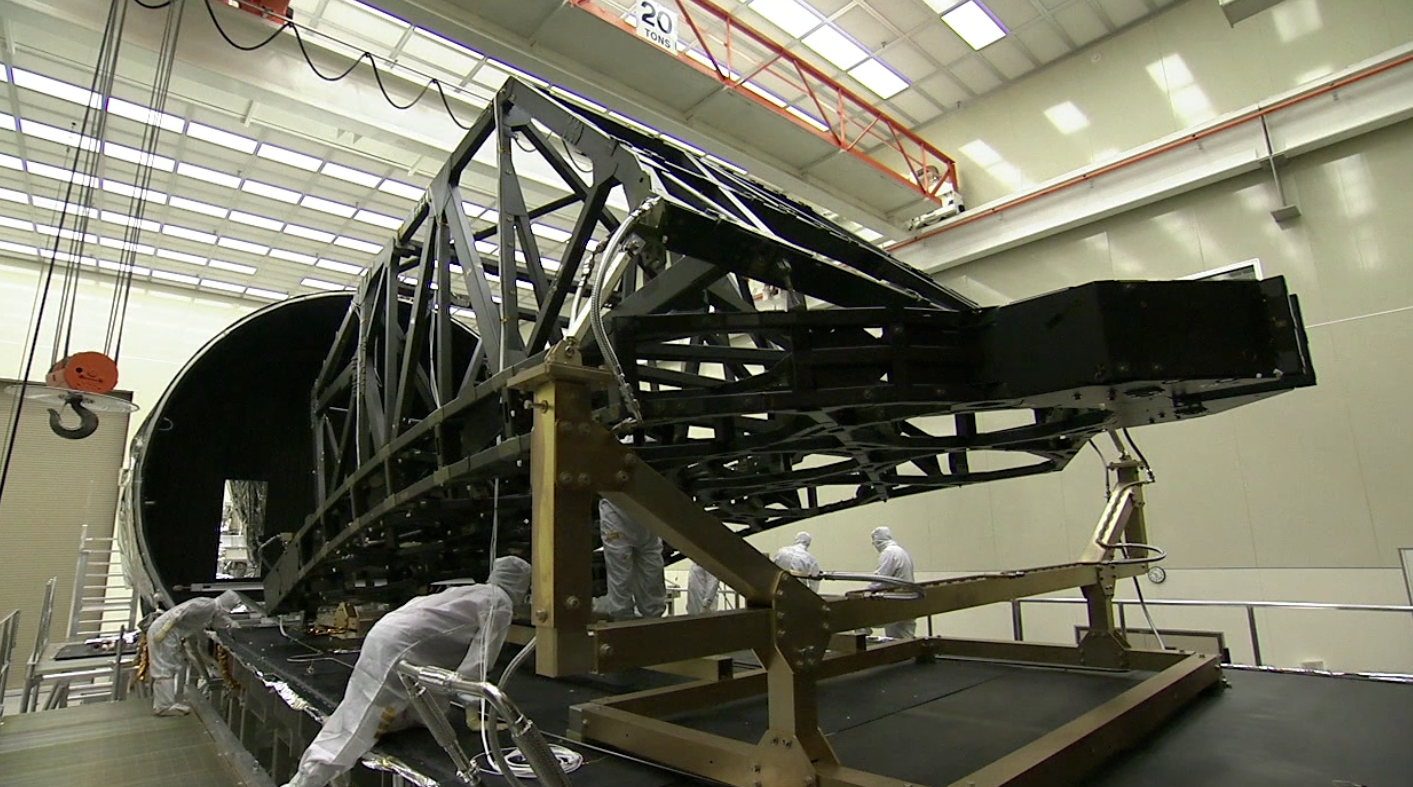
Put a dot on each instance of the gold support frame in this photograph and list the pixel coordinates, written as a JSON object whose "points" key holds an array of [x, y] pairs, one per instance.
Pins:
{"points": [[791, 628]]}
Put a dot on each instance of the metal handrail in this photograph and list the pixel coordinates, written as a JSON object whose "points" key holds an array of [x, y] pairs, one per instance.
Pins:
{"points": [[1018, 626], [9, 633]]}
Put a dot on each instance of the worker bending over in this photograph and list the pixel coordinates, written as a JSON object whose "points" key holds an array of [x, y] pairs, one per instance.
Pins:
{"points": [[796, 559], [460, 628], [702, 589], [895, 562], [164, 644], [632, 559]]}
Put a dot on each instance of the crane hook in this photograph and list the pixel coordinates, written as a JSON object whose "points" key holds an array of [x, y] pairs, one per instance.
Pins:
{"points": [[88, 422]]}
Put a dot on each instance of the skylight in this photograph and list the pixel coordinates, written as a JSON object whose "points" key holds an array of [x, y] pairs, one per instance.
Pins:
{"points": [[975, 24], [789, 15], [835, 47], [879, 78]]}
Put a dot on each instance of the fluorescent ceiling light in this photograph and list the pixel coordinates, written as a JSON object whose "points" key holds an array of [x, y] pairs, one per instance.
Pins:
{"points": [[122, 245], [835, 47], [339, 267], [180, 278], [350, 174], [867, 234], [224, 286], [188, 234], [17, 248], [11, 195], [124, 220], [1067, 117], [181, 256], [234, 267], [52, 87], [208, 175], [59, 136], [378, 219], [491, 216], [135, 156], [246, 246], [48, 171], [126, 190], [357, 245], [118, 267], [788, 15], [293, 256], [223, 138], [309, 233], [256, 221], [16, 224], [272, 192], [198, 207], [286, 156], [975, 24], [320, 284], [4, 73], [879, 78], [7, 121], [59, 206], [550, 233], [809, 119], [472, 210], [328, 206], [10, 162], [272, 295], [399, 189], [145, 115]]}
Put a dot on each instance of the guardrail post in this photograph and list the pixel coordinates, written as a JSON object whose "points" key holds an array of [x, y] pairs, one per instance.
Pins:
{"points": [[1255, 637], [1017, 624]]}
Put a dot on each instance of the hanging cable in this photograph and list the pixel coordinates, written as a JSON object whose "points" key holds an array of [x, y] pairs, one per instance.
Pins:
{"points": [[309, 60]]}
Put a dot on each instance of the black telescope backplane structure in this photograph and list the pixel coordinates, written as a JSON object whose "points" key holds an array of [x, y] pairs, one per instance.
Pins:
{"points": [[872, 382]]}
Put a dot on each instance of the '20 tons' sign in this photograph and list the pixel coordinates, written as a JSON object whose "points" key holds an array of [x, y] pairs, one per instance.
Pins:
{"points": [[658, 24]]}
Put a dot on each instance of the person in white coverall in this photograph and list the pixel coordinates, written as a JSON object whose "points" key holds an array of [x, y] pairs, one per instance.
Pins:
{"points": [[632, 560], [796, 558], [460, 628], [702, 589], [893, 561], [164, 644]]}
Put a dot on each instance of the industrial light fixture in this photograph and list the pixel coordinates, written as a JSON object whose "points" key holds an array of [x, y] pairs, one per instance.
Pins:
{"points": [[765, 94], [125, 190], [234, 267], [357, 245], [320, 284], [223, 286], [188, 234], [293, 256], [328, 206], [135, 156], [793, 17], [378, 219], [181, 256], [833, 46], [17, 248], [208, 175], [975, 24], [339, 267], [258, 249], [180, 278], [253, 220], [879, 78], [145, 115], [272, 295], [223, 138], [272, 192], [195, 206], [52, 87], [808, 118], [399, 189], [549, 233], [351, 175], [289, 157], [309, 233]]}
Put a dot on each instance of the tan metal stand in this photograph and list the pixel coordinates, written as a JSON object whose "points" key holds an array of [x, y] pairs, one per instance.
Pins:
{"points": [[790, 627]]}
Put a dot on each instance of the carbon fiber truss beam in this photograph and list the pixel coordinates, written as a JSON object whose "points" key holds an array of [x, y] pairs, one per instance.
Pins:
{"points": [[871, 381]]}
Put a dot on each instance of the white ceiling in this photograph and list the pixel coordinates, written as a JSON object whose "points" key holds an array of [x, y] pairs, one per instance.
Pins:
{"points": [[261, 202]]}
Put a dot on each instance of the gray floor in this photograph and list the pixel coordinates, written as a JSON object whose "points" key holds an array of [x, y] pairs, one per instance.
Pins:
{"points": [[117, 744]]}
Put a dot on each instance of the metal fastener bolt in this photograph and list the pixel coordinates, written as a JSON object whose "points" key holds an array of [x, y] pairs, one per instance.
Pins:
{"points": [[566, 478], [605, 650], [572, 602], [565, 427], [584, 429], [585, 479], [541, 615], [621, 476]]}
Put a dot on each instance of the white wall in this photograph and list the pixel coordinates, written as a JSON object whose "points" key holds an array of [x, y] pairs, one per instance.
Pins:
{"points": [[165, 327], [1184, 66]]}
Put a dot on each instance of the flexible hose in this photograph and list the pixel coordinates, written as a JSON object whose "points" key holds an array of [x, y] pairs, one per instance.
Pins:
{"points": [[910, 591], [611, 253], [515, 664]]}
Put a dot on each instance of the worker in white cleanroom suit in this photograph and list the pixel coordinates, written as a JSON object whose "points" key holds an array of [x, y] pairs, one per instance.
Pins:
{"points": [[702, 589], [893, 561], [632, 559], [460, 628], [164, 644], [796, 558]]}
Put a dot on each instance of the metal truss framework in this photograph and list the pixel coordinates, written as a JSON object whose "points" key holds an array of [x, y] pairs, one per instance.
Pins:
{"points": [[876, 382]]}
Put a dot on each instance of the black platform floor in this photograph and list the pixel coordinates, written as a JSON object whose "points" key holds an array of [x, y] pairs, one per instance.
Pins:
{"points": [[932, 724]]}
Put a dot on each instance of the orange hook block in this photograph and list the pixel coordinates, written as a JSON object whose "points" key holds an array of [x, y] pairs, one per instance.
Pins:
{"points": [[90, 372]]}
